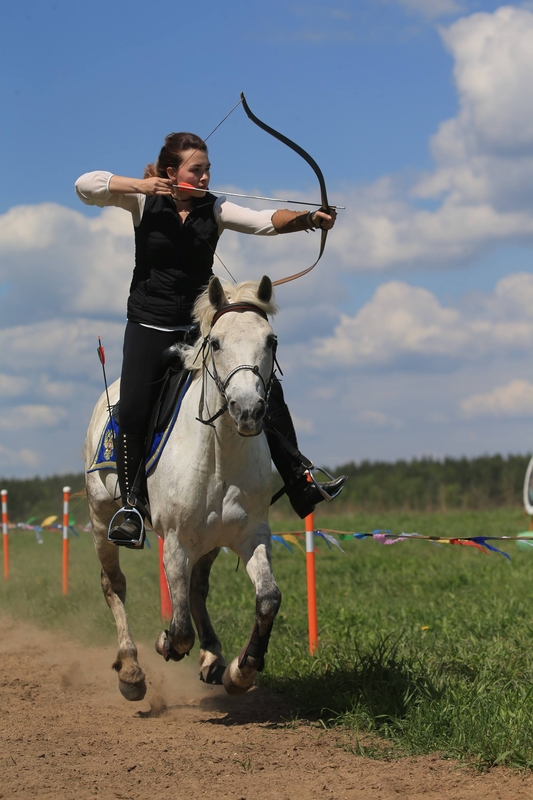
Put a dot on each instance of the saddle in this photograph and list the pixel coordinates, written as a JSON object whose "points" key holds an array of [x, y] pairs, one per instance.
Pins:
{"points": [[174, 384]]}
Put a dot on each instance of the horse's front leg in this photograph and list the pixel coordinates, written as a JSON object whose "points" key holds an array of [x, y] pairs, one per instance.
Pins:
{"points": [[212, 664], [240, 674], [131, 678], [177, 641]]}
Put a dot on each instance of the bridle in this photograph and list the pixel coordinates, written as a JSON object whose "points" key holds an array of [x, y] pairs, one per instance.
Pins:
{"points": [[208, 351]]}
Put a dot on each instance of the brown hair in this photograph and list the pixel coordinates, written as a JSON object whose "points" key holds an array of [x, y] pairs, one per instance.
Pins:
{"points": [[171, 153]]}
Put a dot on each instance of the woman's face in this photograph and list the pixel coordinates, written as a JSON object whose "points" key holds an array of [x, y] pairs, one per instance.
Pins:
{"points": [[195, 170]]}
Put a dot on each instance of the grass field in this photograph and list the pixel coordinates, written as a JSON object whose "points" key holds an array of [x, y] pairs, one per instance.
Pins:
{"points": [[423, 646]]}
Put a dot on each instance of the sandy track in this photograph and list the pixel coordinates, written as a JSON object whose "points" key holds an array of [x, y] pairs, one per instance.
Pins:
{"points": [[67, 733]]}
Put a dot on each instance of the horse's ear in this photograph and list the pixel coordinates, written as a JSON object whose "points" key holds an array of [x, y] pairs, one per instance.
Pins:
{"points": [[217, 298], [264, 293]]}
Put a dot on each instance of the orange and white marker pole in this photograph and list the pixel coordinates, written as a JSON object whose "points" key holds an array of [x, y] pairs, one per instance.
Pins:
{"points": [[311, 582], [5, 536], [66, 500], [164, 594]]}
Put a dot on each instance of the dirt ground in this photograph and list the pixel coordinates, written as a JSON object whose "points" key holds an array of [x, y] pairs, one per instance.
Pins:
{"points": [[67, 733]]}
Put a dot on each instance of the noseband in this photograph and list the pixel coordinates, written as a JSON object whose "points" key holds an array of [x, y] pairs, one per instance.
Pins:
{"points": [[207, 349]]}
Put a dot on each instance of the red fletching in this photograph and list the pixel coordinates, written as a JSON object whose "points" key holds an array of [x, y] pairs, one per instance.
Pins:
{"points": [[101, 352]]}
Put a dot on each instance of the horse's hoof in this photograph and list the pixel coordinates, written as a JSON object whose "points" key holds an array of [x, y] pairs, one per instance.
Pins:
{"points": [[164, 647], [234, 690], [235, 683], [132, 691], [213, 674]]}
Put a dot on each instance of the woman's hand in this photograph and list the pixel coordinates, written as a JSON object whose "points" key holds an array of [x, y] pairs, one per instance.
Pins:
{"points": [[325, 221], [156, 185]]}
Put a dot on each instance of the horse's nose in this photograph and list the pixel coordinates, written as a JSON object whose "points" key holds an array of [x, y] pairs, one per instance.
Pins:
{"points": [[234, 409], [257, 412], [247, 417]]}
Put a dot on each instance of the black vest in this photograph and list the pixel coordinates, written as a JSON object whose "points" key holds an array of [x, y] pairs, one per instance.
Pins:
{"points": [[173, 261]]}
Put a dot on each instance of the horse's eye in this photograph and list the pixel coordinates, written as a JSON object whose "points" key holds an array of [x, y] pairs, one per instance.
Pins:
{"points": [[272, 341], [215, 345]]}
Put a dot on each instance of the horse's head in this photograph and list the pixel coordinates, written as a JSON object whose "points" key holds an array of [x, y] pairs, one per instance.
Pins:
{"points": [[239, 348]]}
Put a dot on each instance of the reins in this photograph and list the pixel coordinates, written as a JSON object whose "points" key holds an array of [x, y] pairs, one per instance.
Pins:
{"points": [[222, 385]]}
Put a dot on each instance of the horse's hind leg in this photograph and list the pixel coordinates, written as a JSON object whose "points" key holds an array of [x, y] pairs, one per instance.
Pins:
{"points": [[131, 679], [212, 664], [240, 674]]}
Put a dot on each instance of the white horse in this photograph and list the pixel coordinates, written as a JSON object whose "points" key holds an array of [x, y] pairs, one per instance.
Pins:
{"points": [[211, 488]]}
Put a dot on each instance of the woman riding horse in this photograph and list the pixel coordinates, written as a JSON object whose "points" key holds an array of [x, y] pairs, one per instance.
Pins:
{"points": [[176, 234]]}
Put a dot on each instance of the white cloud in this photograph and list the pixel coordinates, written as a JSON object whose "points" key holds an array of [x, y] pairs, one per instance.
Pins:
{"points": [[485, 154], [11, 386], [57, 262], [515, 399], [55, 390], [403, 321], [378, 419], [303, 425], [481, 188], [32, 416], [386, 232], [62, 347], [493, 64], [24, 457]]}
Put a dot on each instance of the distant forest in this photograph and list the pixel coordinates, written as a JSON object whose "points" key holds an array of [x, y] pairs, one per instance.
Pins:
{"points": [[419, 485], [429, 485], [36, 498]]}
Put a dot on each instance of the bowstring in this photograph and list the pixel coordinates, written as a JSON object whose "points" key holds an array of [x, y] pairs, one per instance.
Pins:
{"points": [[212, 132], [189, 158]]}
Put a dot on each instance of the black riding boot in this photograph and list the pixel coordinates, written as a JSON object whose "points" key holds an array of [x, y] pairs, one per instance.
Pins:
{"points": [[293, 467], [129, 454]]}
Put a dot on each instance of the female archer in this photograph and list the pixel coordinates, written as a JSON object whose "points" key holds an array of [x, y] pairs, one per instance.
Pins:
{"points": [[176, 234]]}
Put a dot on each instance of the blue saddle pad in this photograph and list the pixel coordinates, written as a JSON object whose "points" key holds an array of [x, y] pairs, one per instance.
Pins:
{"points": [[104, 457]]}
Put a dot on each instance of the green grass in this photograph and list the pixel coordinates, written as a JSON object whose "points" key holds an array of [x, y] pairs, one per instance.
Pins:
{"points": [[426, 646]]}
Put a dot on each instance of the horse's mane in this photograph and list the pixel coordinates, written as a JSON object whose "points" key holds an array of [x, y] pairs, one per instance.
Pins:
{"points": [[203, 313]]}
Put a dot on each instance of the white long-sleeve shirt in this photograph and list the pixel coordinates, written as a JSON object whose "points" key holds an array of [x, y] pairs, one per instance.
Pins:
{"points": [[93, 189]]}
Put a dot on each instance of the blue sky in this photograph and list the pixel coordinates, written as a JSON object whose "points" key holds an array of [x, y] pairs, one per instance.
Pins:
{"points": [[413, 336]]}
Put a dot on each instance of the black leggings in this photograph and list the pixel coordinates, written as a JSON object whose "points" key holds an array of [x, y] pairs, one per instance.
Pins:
{"points": [[142, 373]]}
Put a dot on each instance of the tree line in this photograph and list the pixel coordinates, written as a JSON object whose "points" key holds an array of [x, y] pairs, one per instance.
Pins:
{"points": [[428, 484], [423, 484], [34, 499]]}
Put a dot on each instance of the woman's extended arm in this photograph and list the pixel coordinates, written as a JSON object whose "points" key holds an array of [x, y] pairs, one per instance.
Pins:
{"points": [[268, 222], [285, 221], [102, 189]]}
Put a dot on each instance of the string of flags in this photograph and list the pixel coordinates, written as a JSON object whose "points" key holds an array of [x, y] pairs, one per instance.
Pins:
{"points": [[48, 524], [387, 537], [330, 536]]}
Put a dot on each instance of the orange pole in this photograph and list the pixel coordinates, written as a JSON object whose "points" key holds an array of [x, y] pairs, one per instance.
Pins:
{"points": [[164, 594], [5, 536], [66, 499], [311, 582]]}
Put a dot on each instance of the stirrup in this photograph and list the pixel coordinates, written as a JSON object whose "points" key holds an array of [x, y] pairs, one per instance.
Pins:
{"points": [[327, 497], [138, 542]]}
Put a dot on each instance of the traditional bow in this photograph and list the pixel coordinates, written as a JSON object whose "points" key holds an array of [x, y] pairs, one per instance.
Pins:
{"points": [[316, 169]]}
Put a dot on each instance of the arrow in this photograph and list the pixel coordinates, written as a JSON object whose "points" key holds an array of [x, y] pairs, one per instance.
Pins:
{"points": [[186, 187]]}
